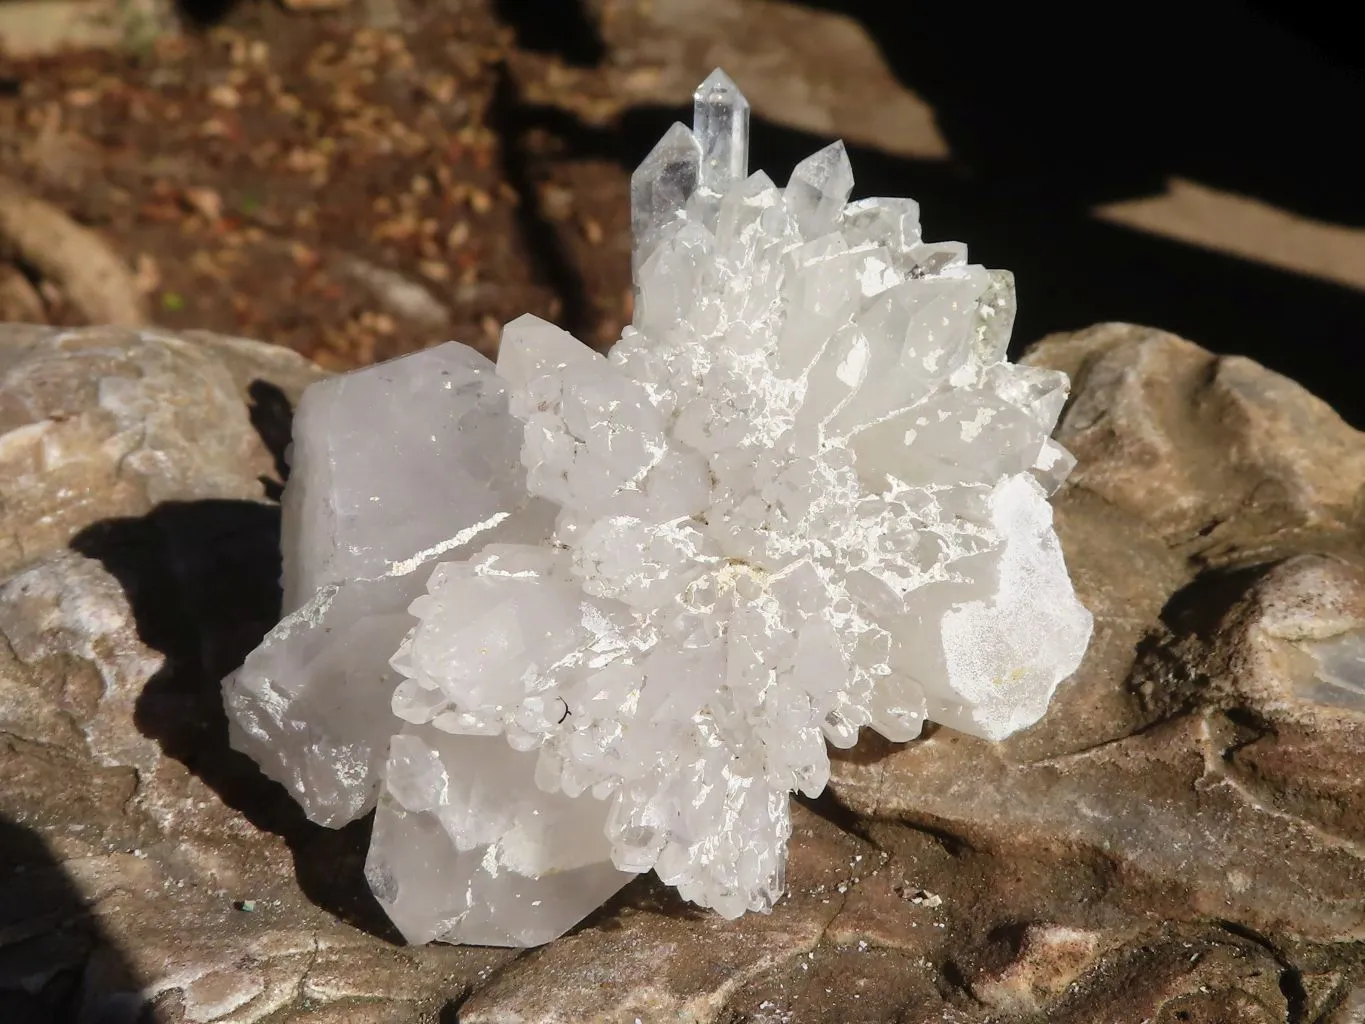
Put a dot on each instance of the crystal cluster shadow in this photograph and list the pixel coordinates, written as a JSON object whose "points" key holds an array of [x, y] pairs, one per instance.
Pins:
{"points": [[202, 579]]}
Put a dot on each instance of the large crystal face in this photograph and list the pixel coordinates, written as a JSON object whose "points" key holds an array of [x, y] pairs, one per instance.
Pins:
{"points": [[432, 432], [629, 599]]}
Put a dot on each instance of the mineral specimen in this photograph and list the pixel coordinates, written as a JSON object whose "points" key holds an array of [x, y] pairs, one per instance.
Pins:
{"points": [[805, 493]]}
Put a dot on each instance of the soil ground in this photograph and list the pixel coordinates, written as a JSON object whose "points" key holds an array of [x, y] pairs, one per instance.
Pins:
{"points": [[349, 192]]}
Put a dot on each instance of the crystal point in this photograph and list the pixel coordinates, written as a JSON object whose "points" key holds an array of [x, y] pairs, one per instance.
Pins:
{"points": [[819, 187], [721, 126], [661, 186]]}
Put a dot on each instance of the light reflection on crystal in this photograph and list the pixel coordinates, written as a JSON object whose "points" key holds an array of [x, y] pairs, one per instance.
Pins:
{"points": [[805, 493], [721, 124], [819, 188], [661, 186]]}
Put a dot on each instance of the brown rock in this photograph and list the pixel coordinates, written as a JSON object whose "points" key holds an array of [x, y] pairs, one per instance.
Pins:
{"points": [[315, 5], [103, 422], [1050, 958], [19, 300], [38, 28], [1224, 458], [129, 833], [1179, 839], [69, 256], [799, 66]]}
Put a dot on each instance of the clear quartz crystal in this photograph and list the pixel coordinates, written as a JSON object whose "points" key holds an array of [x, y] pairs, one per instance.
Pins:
{"points": [[310, 703], [721, 125], [805, 493], [819, 188], [661, 186]]}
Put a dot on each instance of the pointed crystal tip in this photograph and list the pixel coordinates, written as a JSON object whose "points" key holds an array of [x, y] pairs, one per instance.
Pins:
{"points": [[819, 188], [720, 88], [661, 186], [721, 123]]}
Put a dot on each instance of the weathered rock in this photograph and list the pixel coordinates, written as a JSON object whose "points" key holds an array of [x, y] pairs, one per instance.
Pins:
{"points": [[1180, 838], [143, 564], [1223, 458], [38, 28], [19, 300], [1049, 959], [104, 422]]}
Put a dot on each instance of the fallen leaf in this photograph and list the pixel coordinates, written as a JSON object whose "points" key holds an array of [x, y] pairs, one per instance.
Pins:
{"points": [[205, 201]]}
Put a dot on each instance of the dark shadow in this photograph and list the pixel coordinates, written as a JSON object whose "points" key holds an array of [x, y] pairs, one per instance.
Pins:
{"points": [[1331, 31], [1077, 111], [272, 416], [1198, 609], [828, 806], [1048, 118], [558, 27], [1190, 622], [56, 964], [647, 893], [204, 14], [551, 263], [202, 579]]}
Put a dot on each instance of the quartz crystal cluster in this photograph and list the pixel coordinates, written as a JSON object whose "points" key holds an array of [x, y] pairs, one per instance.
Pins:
{"points": [[578, 616]]}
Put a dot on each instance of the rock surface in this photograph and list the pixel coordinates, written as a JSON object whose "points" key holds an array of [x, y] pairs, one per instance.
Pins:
{"points": [[1180, 838]]}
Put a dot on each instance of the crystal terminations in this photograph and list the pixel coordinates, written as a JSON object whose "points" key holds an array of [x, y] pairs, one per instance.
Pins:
{"points": [[805, 493]]}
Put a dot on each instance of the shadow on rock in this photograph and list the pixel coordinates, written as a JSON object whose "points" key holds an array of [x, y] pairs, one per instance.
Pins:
{"points": [[562, 27], [272, 417], [56, 964], [552, 263], [202, 579]]}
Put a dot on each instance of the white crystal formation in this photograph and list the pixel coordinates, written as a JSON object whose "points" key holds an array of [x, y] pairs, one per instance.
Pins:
{"points": [[629, 599], [306, 702], [720, 122], [394, 468], [804, 494]]}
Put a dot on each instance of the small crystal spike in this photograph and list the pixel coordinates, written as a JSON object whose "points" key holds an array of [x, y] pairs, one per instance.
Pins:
{"points": [[720, 122], [660, 187], [818, 189]]}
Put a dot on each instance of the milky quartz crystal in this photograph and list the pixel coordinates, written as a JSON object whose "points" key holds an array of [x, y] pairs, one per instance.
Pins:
{"points": [[587, 616]]}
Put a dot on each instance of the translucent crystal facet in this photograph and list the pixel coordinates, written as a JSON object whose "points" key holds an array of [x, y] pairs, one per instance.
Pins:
{"points": [[467, 849], [721, 125], [805, 493], [311, 703], [819, 188], [661, 186]]}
